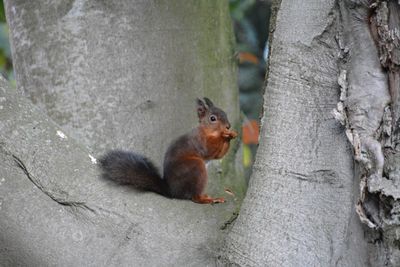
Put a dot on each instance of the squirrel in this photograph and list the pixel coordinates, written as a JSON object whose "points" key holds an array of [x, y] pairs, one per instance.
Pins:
{"points": [[185, 173]]}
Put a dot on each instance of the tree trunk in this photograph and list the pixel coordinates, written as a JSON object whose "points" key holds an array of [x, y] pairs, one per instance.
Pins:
{"points": [[300, 208], [125, 75], [119, 74], [111, 75]]}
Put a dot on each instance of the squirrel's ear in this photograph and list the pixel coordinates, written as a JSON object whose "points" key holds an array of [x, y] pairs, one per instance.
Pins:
{"points": [[201, 108], [208, 102]]}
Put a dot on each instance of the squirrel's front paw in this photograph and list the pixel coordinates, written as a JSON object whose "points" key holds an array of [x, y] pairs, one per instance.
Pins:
{"points": [[233, 134], [230, 134]]}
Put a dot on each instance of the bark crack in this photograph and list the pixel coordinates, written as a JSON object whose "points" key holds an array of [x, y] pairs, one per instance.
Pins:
{"points": [[59, 200]]}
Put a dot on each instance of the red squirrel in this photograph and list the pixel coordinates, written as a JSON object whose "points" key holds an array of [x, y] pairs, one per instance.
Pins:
{"points": [[185, 173]]}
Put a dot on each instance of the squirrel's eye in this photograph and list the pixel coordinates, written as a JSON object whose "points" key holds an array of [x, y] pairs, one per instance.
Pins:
{"points": [[213, 118]]}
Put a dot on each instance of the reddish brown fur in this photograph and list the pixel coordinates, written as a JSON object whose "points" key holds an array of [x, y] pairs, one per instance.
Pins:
{"points": [[184, 165], [217, 141], [185, 173]]}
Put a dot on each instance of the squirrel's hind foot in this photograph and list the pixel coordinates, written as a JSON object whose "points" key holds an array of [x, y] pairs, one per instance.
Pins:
{"points": [[204, 199]]}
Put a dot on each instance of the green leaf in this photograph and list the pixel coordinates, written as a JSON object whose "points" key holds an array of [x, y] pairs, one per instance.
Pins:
{"points": [[2, 13]]}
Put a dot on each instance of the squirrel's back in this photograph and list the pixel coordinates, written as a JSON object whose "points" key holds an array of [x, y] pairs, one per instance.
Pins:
{"points": [[127, 167]]}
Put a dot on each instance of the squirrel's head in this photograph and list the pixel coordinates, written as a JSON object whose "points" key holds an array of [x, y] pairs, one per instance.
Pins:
{"points": [[211, 116]]}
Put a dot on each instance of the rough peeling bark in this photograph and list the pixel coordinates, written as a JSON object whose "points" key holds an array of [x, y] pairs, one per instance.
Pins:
{"points": [[373, 119]]}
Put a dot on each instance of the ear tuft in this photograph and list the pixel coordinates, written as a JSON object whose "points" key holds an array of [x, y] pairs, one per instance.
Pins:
{"points": [[208, 102], [199, 102], [201, 108]]}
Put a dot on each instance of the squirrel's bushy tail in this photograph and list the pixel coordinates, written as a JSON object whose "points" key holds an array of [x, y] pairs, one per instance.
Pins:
{"points": [[130, 168]]}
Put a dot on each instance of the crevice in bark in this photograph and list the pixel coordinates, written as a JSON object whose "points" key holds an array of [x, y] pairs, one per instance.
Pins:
{"points": [[276, 4], [59, 200], [230, 221]]}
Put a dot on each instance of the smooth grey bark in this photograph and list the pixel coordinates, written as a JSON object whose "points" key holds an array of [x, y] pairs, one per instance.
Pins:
{"points": [[300, 206], [124, 74], [109, 75], [56, 211]]}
